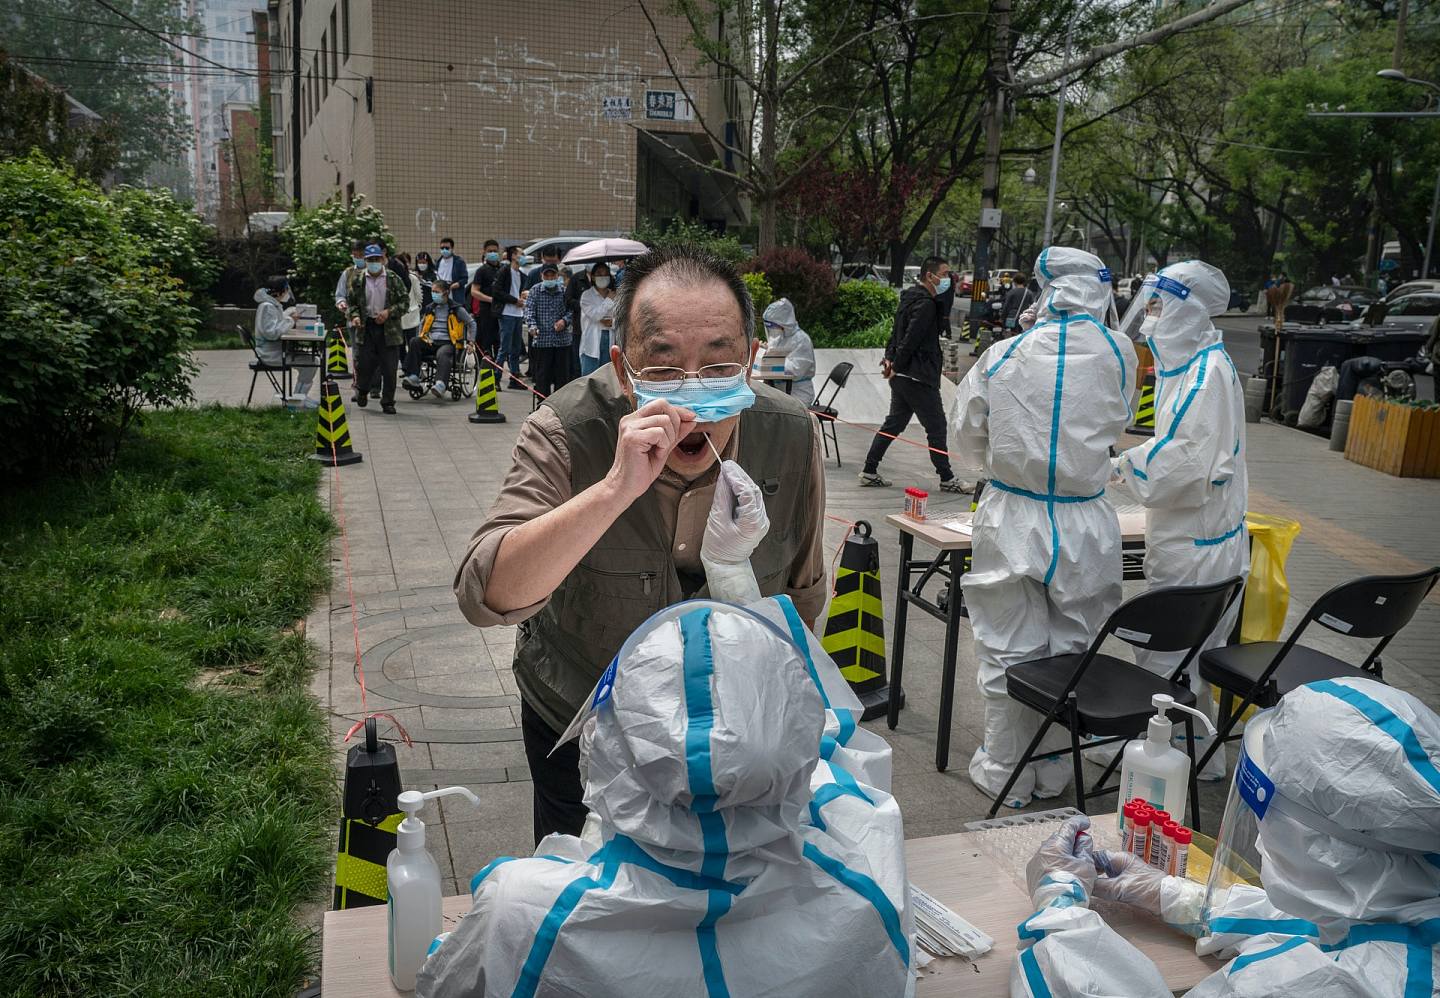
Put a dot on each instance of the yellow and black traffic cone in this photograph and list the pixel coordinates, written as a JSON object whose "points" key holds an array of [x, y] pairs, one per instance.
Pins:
{"points": [[855, 628], [337, 368], [1145, 412], [332, 433], [487, 406], [370, 816]]}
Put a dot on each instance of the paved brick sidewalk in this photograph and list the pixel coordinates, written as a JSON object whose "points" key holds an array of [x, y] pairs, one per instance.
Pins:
{"points": [[428, 476]]}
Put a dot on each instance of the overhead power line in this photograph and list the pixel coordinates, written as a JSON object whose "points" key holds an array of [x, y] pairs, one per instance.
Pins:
{"points": [[168, 41]]}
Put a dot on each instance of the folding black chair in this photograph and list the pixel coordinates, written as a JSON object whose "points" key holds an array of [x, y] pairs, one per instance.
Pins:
{"points": [[1260, 673], [824, 409], [1112, 701], [260, 366]]}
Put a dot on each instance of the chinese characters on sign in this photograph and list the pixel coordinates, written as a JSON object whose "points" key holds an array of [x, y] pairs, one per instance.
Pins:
{"points": [[616, 108], [667, 105]]}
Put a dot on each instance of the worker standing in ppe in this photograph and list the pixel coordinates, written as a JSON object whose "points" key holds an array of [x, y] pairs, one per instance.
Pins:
{"points": [[740, 823], [1191, 475], [785, 338], [1040, 412], [1336, 804]]}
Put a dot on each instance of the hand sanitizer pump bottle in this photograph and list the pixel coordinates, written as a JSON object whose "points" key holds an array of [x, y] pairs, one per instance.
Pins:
{"points": [[414, 888], [1155, 770]]}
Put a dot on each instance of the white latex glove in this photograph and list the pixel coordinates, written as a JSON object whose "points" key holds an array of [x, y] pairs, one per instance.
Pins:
{"points": [[736, 526], [1027, 317], [1127, 878], [1065, 861], [738, 521]]}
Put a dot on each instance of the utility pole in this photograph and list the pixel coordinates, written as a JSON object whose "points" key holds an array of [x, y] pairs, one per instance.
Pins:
{"points": [[997, 79], [1055, 145], [295, 99]]}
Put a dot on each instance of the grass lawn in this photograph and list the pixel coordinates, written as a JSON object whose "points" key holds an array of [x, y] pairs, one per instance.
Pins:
{"points": [[166, 794]]}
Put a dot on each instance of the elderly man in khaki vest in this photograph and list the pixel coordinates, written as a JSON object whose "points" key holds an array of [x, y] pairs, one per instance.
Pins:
{"points": [[616, 505]]}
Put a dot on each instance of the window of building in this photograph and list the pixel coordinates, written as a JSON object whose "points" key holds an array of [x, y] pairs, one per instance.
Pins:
{"points": [[349, 193], [324, 66], [345, 26], [334, 48]]}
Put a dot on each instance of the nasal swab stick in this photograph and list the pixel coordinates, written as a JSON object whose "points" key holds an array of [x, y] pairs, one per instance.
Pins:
{"points": [[712, 447]]}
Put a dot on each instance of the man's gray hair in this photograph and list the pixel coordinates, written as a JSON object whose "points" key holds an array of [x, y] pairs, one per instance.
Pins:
{"points": [[688, 266]]}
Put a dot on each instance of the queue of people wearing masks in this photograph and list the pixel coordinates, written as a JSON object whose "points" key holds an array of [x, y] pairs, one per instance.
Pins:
{"points": [[401, 313]]}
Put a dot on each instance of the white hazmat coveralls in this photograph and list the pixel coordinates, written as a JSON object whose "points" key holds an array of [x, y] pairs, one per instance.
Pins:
{"points": [[1351, 911], [1039, 412], [741, 830], [1191, 475], [794, 343]]}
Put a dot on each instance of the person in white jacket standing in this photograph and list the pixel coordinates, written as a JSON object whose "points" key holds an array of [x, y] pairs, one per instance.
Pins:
{"points": [[784, 337], [1191, 475], [597, 319]]}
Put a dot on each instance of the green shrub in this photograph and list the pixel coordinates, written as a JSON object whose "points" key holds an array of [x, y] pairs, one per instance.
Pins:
{"points": [[678, 230], [175, 239], [762, 295], [872, 337], [92, 331], [858, 307], [319, 239]]}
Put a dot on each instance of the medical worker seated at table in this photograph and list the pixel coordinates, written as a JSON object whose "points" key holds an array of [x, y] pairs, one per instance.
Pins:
{"points": [[600, 519], [1325, 882], [1191, 474], [1039, 412], [741, 841], [784, 338]]}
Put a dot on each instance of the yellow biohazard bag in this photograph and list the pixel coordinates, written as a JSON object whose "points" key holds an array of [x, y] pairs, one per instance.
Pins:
{"points": [[1267, 592]]}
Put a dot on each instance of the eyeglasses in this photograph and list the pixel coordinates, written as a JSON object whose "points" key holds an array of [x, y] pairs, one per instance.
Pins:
{"points": [[661, 380]]}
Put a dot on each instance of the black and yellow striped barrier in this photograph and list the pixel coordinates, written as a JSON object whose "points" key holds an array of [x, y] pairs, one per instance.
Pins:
{"points": [[855, 628], [337, 368], [487, 391], [1144, 424], [332, 433], [370, 816]]}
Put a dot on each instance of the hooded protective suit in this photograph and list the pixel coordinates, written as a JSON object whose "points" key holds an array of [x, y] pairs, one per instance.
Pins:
{"points": [[1347, 847], [739, 828], [794, 343], [1039, 412], [1191, 475]]}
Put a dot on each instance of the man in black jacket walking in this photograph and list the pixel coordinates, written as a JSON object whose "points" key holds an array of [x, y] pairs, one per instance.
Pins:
{"points": [[912, 366]]}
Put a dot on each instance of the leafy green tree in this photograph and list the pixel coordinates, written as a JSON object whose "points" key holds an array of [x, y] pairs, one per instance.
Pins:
{"points": [[35, 115], [319, 240], [110, 66]]}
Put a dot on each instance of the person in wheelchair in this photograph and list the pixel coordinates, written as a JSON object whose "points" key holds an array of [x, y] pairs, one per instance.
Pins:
{"points": [[460, 329]]}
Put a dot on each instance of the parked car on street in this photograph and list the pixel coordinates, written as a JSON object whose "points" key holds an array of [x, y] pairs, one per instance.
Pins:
{"points": [[864, 272], [1415, 310], [1331, 303], [1410, 287]]}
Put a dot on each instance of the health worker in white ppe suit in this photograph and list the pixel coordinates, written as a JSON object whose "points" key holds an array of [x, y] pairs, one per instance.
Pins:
{"points": [[1325, 881], [1191, 474], [1039, 412], [740, 821], [784, 337]]}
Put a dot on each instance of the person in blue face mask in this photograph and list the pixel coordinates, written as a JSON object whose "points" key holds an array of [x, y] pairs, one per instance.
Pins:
{"points": [[548, 319], [602, 518]]}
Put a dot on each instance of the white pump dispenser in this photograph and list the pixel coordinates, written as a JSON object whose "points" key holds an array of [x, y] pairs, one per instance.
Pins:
{"points": [[413, 880], [1155, 770]]}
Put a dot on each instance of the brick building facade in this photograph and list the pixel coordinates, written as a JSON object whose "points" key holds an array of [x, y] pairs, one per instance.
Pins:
{"points": [[506, 121]]}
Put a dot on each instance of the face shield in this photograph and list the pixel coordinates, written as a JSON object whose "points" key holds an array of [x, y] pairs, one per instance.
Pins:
{"points": [[1158, 295], [1308, 864]]}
